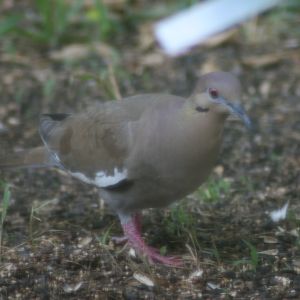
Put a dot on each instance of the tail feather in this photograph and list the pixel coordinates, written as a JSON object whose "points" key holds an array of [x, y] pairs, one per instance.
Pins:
{"points": [[32, 158]]}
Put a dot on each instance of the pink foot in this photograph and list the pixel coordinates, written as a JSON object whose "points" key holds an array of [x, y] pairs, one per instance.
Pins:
{"points": [[154, 257], [121, 240], [132, 232]]}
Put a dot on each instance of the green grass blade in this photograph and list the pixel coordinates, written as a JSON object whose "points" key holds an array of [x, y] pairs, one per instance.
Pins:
{"points": [[253, 254], [9, 24], [5, 202]]}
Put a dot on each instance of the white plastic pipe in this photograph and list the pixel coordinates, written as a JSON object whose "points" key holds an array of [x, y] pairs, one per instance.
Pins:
{"points": [[176, 34]]}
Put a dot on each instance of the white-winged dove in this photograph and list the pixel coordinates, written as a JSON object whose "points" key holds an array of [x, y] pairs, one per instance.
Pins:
{"points": [[144, 151]]}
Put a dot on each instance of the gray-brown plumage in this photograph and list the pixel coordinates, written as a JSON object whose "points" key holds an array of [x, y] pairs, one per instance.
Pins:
{"points": [[144, 151]]}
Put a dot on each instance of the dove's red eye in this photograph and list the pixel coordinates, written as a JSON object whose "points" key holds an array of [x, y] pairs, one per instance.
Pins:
{"points": [[213, 93]]}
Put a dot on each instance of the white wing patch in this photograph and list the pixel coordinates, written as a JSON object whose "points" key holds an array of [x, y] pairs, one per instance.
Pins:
{"points": [[82, 177], [102, 179]]}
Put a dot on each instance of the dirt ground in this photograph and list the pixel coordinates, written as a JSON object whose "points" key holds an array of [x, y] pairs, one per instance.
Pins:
{"points": [[56, 235]]}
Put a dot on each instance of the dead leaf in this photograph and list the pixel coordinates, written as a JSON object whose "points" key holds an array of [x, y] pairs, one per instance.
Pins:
{"points": [[143, 279], [209, 65], [284, 281], [13, 121], [196, 275], [224, 37], [71, 288], [277, 193], [81, 51], [271, 252], [295, 135], [270, 240], [213, 286], [264, 60], [10, 267], [16, 59], [105, 51], [153, 59], [265, 88], [294, 232], [71, 52], [296, 265], [279, 214], [7, 4], [219, 170], [146, 37], [85, 241]]}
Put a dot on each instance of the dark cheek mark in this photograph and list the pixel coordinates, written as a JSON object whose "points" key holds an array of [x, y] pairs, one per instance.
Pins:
{"points": [[202, 109]]}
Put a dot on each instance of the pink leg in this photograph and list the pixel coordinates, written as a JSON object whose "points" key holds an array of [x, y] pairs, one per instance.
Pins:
{"points": [[137, 220], [131, 228]]}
